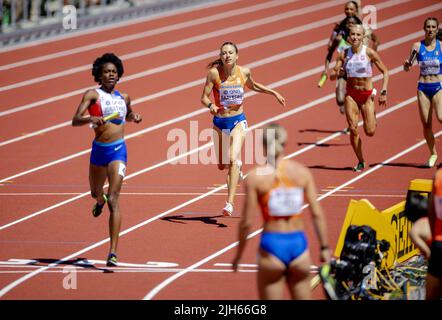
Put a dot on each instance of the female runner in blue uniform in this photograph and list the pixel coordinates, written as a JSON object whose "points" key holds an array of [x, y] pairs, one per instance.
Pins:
{"points": [[429, 96], [109, 155]]}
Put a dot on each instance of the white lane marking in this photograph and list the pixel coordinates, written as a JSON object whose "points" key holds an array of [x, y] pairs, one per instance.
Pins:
{"points": [[171, 279], [152, 293], [155, 194], [112, 26], [159, 48], [274, 58], [144, 34], [203, 110], [176, 44], [207, 145]]}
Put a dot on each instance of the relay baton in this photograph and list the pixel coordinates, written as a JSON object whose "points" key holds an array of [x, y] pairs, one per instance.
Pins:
{"points": [[322, 81], [412, 57], [106, 118]]}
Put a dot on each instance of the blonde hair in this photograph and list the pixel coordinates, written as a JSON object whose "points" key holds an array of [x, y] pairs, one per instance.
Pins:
{"points": [[274, 139]]}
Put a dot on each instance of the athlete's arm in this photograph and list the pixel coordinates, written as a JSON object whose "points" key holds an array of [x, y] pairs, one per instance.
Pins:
{"points": [[258, 87], [319, 221], [420, 233], [208, 87], [408, 63], [375, 41], [337, 68], [79, 119], [131, 115], [374, 56]]}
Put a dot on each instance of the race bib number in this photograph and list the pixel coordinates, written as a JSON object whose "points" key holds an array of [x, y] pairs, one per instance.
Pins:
{"points": [[286, 201], [429, 67], [231, 95]]}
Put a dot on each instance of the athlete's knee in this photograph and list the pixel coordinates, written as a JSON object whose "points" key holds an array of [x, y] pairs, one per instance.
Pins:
{"points": [[353, 129], [235, 162], [340, 99], [112, 199], [95, 194], [427, 126], [370, 131]]}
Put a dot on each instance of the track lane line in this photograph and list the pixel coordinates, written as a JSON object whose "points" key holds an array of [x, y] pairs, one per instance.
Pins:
{"points": [[209, 144], [182, 42], [149, 33], [274, 85], [306, 27], [123, 24], [171, 279]]}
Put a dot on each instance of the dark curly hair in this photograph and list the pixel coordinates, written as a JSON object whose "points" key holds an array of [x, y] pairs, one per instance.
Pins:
{"points": [[97, 67]]}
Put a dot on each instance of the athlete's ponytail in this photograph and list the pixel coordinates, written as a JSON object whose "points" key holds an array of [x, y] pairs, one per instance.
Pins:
{"points": [[219, 62], [274, 139]]}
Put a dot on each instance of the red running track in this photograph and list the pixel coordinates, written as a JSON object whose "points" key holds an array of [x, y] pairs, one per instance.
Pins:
{"points": [[174, 242]]}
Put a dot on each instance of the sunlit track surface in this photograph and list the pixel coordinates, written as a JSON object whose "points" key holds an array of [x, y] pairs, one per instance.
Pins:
{"points": [[172, 213]]}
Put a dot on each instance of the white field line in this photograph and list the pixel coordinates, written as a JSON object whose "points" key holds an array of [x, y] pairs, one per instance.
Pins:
{"points": [[283, 55], [149, 33], [156, 194], [208, 145], [200, 111], [115, 25], [171, 279], [152, 293], [179, 43], [259, 63], [199, 38], [123, 270]]}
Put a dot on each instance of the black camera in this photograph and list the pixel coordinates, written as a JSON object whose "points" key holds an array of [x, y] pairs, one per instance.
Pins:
{"points": [[360, 248]]}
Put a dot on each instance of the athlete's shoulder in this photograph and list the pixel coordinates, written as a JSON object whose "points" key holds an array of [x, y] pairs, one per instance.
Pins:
{"points": [[296, 171], [91, 94], [125, 96], [244, 70], [213, 73]]}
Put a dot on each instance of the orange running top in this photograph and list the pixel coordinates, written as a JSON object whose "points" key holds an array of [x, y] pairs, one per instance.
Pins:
{"points": [[284, 199], [230, 92]]}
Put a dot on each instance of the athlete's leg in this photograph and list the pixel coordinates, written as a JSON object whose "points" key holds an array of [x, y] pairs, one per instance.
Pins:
{"points": [[221, 148], [299, 277], [97, 178], [116, 173], [271, 276], [237, 138], [369, 116], [341, 84], [352, 115], [437, 105], [425, 113]]}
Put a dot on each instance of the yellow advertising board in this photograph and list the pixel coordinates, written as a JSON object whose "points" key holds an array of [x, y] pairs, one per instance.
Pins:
{"points": [[390, 224]]}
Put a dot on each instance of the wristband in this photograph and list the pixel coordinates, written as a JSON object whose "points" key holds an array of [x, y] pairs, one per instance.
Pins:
{"points": [[324, 247], [210, 105]]}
